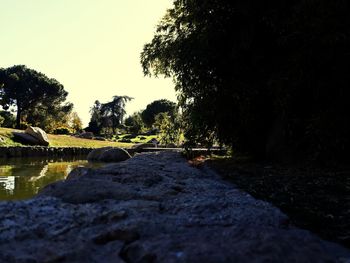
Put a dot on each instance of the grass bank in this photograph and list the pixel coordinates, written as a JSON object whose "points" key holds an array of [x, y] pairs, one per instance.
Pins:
{"points": [[60, 141]]}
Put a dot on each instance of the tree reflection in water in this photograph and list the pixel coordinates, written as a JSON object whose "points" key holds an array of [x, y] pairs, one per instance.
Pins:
{"points": [[23, 178]]}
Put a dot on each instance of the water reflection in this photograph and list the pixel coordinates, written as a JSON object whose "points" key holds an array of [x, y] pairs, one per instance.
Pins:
{"points": [[23, 178]]}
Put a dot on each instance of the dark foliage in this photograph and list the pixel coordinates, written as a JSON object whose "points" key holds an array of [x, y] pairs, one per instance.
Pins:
{"points": [[107, 115], [134, 123], [62, 130], [314, 198], [9, 120], [33, 94], [156, 107], [268, 77]]}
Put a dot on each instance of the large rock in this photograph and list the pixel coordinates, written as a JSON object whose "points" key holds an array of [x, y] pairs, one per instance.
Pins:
{"points": [[114, 155], [153, 208], [86, 135], [95, 154], [38, 134], [108, 154], [25, 138]]}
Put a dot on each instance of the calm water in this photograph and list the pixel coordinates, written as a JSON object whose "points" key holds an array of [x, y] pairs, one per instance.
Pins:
{"points": [[23, 178]]}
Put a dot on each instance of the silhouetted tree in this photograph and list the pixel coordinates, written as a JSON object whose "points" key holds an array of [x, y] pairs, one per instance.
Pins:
{"points": [[31, 92], [267, 77], [108, 115], [156, 107], [95, 124], [114, 111]]}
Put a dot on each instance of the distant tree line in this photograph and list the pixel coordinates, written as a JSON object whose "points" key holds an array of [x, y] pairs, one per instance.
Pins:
{"points": [[35, 99], [161, 117], [108, 118], [270, 78]]}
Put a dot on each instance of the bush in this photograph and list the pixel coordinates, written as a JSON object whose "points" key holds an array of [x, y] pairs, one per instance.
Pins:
{"points": [[24, 125], [62, 130], [1, 120], [9, 120]]}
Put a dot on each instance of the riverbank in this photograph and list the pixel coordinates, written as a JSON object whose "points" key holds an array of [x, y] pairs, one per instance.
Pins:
{"points": [[42, 151], [7, 140], [154, 207]]}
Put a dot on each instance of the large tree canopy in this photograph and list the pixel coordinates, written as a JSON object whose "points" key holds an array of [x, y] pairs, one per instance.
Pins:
{"points": [[156, 107], [264, 76], [39, 98]]}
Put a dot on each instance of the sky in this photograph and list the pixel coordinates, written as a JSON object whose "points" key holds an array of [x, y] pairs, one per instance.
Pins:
{"points": [[92, 47]]}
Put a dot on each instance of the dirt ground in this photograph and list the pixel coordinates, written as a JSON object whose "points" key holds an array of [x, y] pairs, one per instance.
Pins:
{"points": [[314, 198]]}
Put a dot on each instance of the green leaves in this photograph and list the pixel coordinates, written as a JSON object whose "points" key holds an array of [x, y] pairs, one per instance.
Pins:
{"points": [[35, 96], [158, 106], [241, 66], [108, 115]]}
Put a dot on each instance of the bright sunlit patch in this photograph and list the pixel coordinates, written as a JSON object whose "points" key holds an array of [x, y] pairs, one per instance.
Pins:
{"points": [[92, 47]]}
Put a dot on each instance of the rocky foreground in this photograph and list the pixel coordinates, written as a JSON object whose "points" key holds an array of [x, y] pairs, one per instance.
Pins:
{"points": [[153, 207]]}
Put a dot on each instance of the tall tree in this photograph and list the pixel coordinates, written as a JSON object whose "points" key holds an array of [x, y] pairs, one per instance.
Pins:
{"points": [[108, 115], [30, 91], [262, 76], [156, 107], [95, 124], [114, 111]]}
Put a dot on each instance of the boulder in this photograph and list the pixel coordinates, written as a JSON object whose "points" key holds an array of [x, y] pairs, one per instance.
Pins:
{"points": [[108, 154], [86, 135], [38, 134], [153, 208], [114, 155], [25, 138], [95, 154]]}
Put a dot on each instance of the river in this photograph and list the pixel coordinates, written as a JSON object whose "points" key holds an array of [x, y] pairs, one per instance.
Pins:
{"points": [[23, 178]]}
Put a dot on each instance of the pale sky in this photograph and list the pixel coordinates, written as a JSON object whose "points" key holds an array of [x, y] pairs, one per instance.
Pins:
{"points": [[92, 47]]}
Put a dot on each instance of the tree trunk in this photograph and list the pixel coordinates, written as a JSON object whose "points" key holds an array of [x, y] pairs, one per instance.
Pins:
{"points": [[18, 117]]}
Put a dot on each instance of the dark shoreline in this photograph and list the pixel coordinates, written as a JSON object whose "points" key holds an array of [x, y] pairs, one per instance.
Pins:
{"points": [[314, 198], [42, 151]]}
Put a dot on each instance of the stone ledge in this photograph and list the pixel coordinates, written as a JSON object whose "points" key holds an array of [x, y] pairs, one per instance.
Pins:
{"points": [[42, 151], [153, 207]]}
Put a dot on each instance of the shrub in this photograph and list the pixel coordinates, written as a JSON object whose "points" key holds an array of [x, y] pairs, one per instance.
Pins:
{"points": [[9, 120], [1, 120], [24, 125], [62, 130]]}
